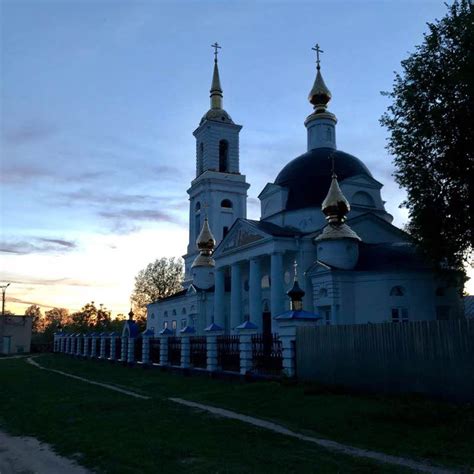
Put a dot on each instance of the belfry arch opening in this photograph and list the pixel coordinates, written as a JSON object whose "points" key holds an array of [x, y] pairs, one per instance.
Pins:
{"points": [[224, 156]]}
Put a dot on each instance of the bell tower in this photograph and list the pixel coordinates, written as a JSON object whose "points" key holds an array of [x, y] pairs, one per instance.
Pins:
{"points": [[219, 191]]}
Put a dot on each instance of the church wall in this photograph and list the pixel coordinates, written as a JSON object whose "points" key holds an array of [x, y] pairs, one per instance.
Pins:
{"points": [[374, 303]]}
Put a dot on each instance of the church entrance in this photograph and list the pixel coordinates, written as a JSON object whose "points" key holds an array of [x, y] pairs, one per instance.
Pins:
{"points": [[267, 324]]}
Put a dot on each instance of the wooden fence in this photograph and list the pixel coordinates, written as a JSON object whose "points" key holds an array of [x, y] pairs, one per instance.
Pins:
{"points": [[429, 357]]}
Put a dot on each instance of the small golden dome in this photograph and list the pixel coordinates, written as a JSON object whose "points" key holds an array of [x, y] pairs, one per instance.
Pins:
{"points": [[335, 206], [205, 243], [319, 95]]}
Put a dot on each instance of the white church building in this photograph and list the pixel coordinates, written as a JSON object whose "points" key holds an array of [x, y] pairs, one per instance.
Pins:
{"points": [[322, 215]]}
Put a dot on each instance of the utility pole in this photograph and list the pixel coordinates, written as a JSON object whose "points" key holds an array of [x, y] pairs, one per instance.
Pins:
{"points": [[4, 290]]}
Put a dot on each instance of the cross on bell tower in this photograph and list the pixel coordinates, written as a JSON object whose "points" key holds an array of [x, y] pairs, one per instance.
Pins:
{"points": [[216, 50]]}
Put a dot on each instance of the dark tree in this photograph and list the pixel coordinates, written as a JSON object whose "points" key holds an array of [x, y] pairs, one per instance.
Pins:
{"points": [[159, 279], [38, 321], [431, 126]]}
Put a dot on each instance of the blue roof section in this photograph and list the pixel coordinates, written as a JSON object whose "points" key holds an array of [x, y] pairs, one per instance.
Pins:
{"points": [[213, 327], [188, 330], [247, 325], [133, 329], [148, 333], [297, 315], [166, 332]]}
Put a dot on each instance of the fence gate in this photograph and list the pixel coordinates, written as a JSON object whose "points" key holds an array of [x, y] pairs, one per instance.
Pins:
{"points": [[174, 350], [138, 349], [198, 352], [155, 350], [267, 354], [228, 353]]}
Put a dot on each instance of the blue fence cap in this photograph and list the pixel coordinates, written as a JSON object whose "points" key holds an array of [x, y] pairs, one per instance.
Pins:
{"points": [[213, 327], [188, 330], [247, 325]]}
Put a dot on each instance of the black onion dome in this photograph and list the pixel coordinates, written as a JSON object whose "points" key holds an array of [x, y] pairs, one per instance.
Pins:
{"points": [[308, 176]]}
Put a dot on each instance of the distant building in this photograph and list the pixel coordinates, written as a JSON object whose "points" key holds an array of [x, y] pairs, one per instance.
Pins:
{"points": [[324, 211], [15, 334]]}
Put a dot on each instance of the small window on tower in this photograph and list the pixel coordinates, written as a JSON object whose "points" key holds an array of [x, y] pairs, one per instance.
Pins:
{"points": [[200, 163], [224, 156], [227, 203]]}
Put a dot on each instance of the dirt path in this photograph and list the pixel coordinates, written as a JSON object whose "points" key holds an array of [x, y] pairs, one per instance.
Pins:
{"points": [[28, 456]]}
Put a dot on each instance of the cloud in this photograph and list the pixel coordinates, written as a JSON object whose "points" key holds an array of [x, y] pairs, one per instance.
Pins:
{"points": [[37, 245], [18, 279], [21, 301], [29, 132], [124, 221]]}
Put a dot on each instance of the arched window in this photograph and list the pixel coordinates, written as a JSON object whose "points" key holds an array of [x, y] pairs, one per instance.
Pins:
{"points": [[183, 311], [200, 160], [397, 291], [197, 218], [323, 293], [224, 156], [362, 198], [174, 312], [227, 203]]}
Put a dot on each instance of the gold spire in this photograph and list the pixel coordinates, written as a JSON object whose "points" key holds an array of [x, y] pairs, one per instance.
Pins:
{"points": [[216, 88], [319, 95], [205, 243]]}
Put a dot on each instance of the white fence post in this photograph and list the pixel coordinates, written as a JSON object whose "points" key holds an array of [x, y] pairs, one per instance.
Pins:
{"points": [[149, 333], [186, 333], [165, 333], [213, 330], [245, 331]]}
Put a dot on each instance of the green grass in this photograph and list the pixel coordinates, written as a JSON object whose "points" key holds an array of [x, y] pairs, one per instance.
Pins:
{"points": [[112, 432], [407, 426]]}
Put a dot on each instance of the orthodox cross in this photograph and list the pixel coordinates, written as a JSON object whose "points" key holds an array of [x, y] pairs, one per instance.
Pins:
{"points": [[295, 267], [216, 48], [318, 50]]}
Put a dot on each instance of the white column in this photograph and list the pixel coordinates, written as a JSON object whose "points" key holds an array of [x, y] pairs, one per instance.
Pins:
{"points": [[235, 296], [164, 350], [146, 349], [102, 346], [219, 295], [255, 292], [245, 346], [124, 353], [131, 350], [113, 342], [277, 289]]}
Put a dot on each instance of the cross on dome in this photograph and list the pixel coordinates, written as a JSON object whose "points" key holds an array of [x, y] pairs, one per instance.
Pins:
{"points": [[318, 50]]}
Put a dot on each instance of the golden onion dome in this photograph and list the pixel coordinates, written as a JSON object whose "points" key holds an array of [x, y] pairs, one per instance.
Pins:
{"points": [[335, 206], [319, 95], [205, 243]]}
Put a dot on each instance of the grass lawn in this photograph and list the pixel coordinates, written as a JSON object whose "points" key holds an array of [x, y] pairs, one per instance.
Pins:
{"points": [[116, 433], [112, 432]]}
